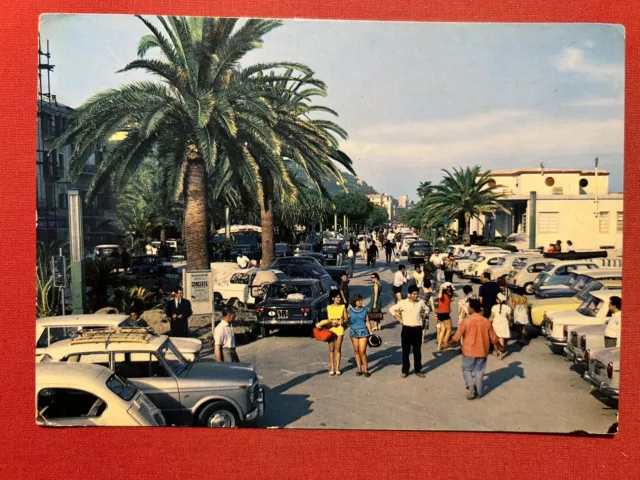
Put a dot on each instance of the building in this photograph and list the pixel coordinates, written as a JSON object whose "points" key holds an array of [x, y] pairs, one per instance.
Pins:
{"points": [[384, 201], [52, 174], [571, 205]]}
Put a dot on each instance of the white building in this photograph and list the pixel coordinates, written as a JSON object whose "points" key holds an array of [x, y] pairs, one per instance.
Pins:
{"points": [[570, 205], [382, 200]]}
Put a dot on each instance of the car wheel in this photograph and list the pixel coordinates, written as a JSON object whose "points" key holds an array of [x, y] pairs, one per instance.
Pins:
{"points": [[529, 288], [218, 415]]}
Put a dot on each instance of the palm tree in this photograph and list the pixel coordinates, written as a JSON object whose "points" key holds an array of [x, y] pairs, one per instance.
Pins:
{"points": [[462, 195], [190, 118]]}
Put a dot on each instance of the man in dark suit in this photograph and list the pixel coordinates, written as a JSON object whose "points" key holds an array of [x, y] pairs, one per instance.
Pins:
{"points": [[179, 311]]}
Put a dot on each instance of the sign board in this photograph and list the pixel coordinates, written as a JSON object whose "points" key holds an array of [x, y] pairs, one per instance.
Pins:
{"points": [[198, 289], [59, 267]]}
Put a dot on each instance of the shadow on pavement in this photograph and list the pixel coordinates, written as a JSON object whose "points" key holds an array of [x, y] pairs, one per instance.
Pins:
{"points": [[283, 409], [439, 358], [501, 376], [384, 358]]}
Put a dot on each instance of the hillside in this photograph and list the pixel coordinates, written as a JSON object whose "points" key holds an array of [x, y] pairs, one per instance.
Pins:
{"points": [[352, 185]]}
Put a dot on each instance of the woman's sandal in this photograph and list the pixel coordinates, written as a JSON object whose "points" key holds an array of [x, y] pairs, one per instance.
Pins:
{"points": [[332, 373], [338, 372], [358, 374]]}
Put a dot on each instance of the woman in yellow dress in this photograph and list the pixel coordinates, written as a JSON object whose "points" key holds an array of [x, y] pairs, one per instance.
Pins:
{"points": [[338, 317]]}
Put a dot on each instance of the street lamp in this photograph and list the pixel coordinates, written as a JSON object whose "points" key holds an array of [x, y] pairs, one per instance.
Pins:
{"points": [[78, 285]]}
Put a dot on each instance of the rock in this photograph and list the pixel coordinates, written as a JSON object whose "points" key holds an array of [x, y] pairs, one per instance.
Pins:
{"points": [[155, 320]]}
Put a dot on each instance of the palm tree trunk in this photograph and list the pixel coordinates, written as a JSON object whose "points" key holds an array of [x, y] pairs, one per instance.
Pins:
{"points": [[163, 234], [266, 220], [195, 224], [466, 237]]}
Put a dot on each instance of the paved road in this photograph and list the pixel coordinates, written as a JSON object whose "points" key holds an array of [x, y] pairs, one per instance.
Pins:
{"points": [[530, 390]]}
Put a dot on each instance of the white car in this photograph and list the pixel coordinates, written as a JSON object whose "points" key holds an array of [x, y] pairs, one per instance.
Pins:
{"points": [[555, 273], [455, 250], [593, 311], [583, 338], [246, 286], [526, 275], [511, 262], [54, 329], [406, 241], [604, 371], [483, 263], [72, 394], [470, 256]]}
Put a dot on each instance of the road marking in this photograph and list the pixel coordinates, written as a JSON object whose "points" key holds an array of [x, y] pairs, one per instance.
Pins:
{"points": [[289, 372]]}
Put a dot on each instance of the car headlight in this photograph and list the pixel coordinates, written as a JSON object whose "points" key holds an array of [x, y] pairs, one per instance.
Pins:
{"points": [[253, 392]]}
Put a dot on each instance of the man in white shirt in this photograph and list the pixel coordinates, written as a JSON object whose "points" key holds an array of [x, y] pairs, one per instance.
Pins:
{"points": [[391, 235], [436, 259], [223, 337], [398, 282], [612, 332], [242, 260], [418, 276], [410, 313]]}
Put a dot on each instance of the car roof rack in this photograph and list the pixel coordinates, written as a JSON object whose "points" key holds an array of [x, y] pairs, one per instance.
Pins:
{"points": [[133, 335]]}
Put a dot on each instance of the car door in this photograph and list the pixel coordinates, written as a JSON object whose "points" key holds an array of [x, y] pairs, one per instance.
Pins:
{"points": [[150, 374], [60, 407]]}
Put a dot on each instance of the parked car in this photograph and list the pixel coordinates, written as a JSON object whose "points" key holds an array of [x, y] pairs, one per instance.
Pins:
{"points": [[418, 250], [292, 302], [107, 250], [483, 263], [283, 250], [334, 252], [406, 241], [527, 274], [296, 260], [555, 273], [319, 257], [246, 288], [310, 271], [583, 339], [456, 250], [604, 371], [72, 394], [471, 255], [200, 393], [593, 311], [509, 263], [54, 329], [600, 279], [336, 273], [146, 266], [248, 243]]}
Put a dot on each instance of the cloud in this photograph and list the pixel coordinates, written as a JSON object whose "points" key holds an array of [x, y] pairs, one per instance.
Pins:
{"points": [[598, 102], [514, 136], [572, 59]]}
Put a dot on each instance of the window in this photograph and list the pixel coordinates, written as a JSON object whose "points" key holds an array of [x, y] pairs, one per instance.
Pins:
{"points": [[240, 279], [98, 358], [139, 365], [61, 333], [604, 222], [61, 162], [619, 222], [548, 222], [121, 387], [56, 403], [62, 200], [549, 181], [43, 341], [536, 267]]}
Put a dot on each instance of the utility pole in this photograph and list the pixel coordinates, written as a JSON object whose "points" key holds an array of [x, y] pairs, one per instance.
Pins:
{"points": [[532, 220], [78, 287]]}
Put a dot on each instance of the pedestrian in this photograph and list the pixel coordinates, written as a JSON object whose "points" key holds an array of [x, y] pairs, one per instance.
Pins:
{"points": [[427, 297], [418, 276], [552, 248], [449, 266], [389, 247], [337, 316], [363, 248], [398, 282], [558, 246], [520, 309], [487, 293], [391, 236], [376, 300], [411, 313], [436, 259], [570, 247], [242, 260], [359, 333], [351, 259], [373, 253], [463, 305], [500, 322], [179, 311], [612, 332], [223, 337], [477, 334], [502, 285], [135, 321], [443, 325], [343, 288]]}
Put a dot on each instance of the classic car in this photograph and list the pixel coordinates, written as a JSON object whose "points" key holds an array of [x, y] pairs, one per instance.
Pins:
{"points": [[470, 256], [483, 263], [283, 250], [577, 281], [202, 393], [601, 279], [555, 274], [292, 302], [584, 338], [296, 260], [310, 271], [509, 263], [334, 252], [319, 257], [593, 311], [146, 266], [72, 394], [456, 250], [406, 241], [527, 274], [248, 243], [246, 287], [604, 371], [54, 329], [418, 250]]}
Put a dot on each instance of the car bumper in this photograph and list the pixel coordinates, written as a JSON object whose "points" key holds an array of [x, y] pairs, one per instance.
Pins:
{"points": [[573, 354], [558, 342], [602, 386], [285, 323]]}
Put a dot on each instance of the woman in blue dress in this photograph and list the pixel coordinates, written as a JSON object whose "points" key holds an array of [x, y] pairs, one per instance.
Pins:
{"points": [[360, 331]]}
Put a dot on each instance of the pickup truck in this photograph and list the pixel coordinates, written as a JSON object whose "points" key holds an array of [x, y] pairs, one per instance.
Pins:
{"points": [[245, 288]]}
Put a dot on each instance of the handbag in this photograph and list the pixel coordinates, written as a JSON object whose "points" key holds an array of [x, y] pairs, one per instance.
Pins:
{"points": [[322, 335], [376, 316]]}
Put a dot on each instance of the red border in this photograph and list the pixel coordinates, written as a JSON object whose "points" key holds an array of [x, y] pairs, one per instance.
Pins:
{"points": [[122, 453]]}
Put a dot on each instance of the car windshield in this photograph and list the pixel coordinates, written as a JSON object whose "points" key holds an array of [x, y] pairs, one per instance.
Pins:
{"points": [[590, 306], [540, 279], [173, 357], [240, 279], [548, 268], [450, 250], [580, 282], [592, 286], [553, 280], [480, 259], [473, 256], [280, 291], [121, 387], [104, 251], [330, 248], [281, 247], [143, 261], [467, 254], [419, 244], [246, 241], [570, 280]]}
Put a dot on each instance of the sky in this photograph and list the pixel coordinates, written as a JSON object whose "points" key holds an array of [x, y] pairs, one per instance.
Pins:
{"points": [[415, 98]]}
